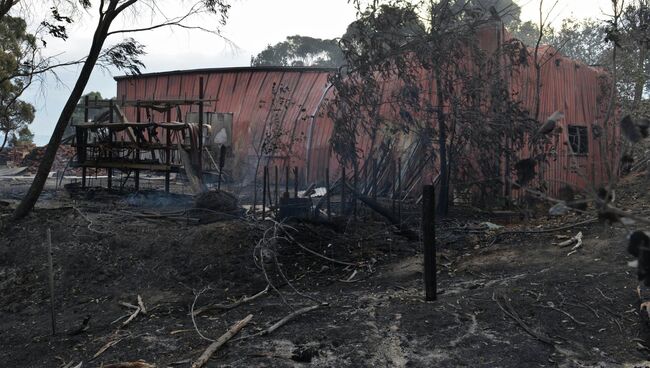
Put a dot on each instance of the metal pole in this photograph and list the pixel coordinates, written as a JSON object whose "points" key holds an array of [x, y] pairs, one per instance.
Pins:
{"points": [[429, 240], [295, 182]]}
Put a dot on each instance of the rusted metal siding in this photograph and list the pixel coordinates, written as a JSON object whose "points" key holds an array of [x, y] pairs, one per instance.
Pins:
{"points": [[577, 90], [247, 93]]}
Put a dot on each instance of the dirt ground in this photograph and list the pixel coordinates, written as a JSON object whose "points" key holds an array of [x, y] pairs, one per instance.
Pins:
{"points": [[516, 300]]}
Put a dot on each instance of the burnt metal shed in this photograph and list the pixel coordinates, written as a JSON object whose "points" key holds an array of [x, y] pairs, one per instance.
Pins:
{"points": [[292, 102]]}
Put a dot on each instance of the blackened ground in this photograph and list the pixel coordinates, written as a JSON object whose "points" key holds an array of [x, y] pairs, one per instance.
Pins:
{"points": [[584, 305]]}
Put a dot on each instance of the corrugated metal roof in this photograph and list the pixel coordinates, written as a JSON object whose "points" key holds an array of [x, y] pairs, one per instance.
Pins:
{"points": [[236, 69]]}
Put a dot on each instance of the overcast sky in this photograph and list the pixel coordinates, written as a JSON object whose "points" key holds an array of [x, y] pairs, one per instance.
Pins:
{"points": [[252, 24]]}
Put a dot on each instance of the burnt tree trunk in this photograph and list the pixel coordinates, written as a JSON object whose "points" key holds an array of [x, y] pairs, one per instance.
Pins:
{"points": [[45, 166]]}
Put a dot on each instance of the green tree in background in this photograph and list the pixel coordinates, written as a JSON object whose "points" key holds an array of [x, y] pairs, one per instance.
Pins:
{"points": [[308, 51], [24, 136], [78, 115], [508, 11], [301, 51], [18, 47]]}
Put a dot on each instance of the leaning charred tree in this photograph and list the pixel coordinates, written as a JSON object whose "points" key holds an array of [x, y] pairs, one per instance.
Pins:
{"points": [[123, 55], [431, 81]]}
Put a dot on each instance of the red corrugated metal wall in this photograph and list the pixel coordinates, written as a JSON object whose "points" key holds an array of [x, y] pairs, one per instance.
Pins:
{"points": [[247, 93], [577, 90], [567, 85]]}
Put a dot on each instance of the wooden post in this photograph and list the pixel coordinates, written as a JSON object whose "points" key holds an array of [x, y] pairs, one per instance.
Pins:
{"points": [[50, 268], [429, 240], [266, 173], [327, 188], [343, 190], [295, 182]]}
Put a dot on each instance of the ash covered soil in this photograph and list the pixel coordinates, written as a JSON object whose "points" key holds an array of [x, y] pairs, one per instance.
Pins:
{"points": [[519, 301]]}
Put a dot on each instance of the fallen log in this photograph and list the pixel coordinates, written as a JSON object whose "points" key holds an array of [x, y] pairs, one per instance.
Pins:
{"points": [[221, 341], [282, 322], [288, 318], [132, 317], [112, 342]]}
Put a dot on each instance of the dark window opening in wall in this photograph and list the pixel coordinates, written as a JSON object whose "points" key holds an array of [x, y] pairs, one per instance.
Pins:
{"points": [[579, 139]]}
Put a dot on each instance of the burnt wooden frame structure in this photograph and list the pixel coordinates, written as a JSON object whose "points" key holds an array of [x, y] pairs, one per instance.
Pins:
{"points": [[141, 145]]}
